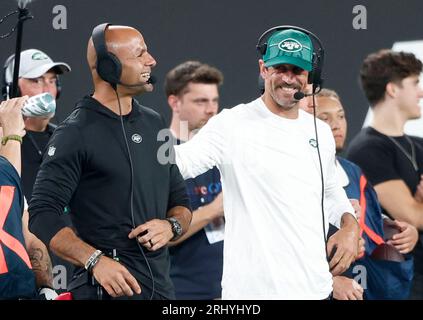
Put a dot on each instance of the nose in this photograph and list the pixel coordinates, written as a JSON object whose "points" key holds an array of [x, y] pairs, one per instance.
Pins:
{"points": [[151, 62], [335, 125], [288, 76], [212, 107], [49, 87]]}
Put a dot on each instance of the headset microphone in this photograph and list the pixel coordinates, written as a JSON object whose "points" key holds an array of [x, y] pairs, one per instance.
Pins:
{"points": [[151, 80], [301, 95]]}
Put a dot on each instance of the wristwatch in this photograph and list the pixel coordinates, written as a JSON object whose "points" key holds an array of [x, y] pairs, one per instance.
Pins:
{"points": [[176, 228]]}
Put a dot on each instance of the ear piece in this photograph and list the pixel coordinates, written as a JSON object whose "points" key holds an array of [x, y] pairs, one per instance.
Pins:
{"points": [[109, 67]]}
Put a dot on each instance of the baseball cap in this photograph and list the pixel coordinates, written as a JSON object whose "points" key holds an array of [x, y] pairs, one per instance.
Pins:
{"points": [[289, 46], [34, 63]]}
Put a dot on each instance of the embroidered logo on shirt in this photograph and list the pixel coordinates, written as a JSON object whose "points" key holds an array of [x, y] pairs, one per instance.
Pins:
{"points": [[136, 138], [51, 151], [313, 143]]}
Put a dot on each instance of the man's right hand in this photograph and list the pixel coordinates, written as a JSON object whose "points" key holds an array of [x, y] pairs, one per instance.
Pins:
{"points": [[11, 119], [115, 278]]}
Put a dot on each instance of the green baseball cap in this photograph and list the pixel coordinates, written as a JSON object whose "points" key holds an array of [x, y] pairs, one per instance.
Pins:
{"points": [[289, 47]]}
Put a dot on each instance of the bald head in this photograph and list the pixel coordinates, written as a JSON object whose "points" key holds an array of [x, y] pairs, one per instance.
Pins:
{"points": [[128, 45], [122, 41]]}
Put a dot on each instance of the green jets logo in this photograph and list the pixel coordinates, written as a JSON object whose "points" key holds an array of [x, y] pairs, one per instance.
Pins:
{"points": [[290, 45], [39, 56], [313, 143]]}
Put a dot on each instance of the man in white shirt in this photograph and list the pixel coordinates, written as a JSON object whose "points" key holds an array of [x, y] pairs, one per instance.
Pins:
{"points": [[266, 151]]}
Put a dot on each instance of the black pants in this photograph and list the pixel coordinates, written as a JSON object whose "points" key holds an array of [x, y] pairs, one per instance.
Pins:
{"points": [[90, 292], [85, 287]]}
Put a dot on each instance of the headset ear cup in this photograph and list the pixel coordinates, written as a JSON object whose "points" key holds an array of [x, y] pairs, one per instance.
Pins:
{"points": [[314, 77], [262, 48], [58, 87], [109, 68], [317, 74]]}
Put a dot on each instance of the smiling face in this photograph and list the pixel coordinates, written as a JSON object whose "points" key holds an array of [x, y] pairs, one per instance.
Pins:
{"points": [[131, 49], [282, 82], [128, 45], [330, 110]]}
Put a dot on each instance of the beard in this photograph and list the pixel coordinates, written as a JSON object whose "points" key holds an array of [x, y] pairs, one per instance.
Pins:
{"points": [[284, 102]]}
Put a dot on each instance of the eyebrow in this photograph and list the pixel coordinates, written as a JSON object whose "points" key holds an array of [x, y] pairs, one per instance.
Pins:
{"points": [[203, 99]]}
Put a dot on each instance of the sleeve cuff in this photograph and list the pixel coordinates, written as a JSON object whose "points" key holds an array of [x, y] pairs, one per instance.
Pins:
{"points": [[46, 225]]}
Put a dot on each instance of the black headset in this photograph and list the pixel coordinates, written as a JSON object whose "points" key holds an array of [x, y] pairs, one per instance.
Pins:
{"points": [[108, 66], [315, 75], [7, 80]]}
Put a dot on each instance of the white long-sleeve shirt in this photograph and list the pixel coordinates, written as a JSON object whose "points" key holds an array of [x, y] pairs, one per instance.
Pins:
{"points": [[274, 244]]}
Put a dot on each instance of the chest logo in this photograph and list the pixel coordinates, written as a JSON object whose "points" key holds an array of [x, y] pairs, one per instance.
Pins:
{"points": [[313, 143], [136, 138], [51, 151]]}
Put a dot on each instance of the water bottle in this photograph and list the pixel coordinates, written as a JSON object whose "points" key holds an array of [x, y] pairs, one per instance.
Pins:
{"points": [[40, 106]]}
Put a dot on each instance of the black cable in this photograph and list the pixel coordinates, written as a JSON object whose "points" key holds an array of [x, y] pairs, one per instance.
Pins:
{"points": [[132, 191], [322, 180], [4, 36]]}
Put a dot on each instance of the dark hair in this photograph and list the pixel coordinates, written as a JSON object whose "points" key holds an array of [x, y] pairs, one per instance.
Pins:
{"points": [[384, 66], [179, 77]]}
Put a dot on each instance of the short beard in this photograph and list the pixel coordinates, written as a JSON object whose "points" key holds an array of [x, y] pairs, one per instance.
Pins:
{"points": [[280, 104]]}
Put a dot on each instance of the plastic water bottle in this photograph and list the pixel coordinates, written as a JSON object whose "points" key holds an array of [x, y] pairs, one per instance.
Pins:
{"points": [[40, 106]]}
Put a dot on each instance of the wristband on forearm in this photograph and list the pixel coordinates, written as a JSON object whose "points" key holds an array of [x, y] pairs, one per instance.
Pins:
{"points": [[15, 137], [93, 260]]}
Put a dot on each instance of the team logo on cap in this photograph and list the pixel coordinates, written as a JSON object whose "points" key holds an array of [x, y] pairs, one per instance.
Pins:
{"points": [[290, 45], [39, 56]]}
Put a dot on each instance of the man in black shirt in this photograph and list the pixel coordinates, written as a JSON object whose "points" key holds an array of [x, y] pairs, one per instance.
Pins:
{"points": [[102, 161], [392, 160], [37, 74]]}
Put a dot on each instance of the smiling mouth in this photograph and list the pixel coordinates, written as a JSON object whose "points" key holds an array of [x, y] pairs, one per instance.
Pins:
{"points": [[146, 75], [291, 90]]}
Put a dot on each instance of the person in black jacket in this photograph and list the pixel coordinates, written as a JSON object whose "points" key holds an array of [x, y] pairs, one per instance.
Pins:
{"points": [[102, 162]]}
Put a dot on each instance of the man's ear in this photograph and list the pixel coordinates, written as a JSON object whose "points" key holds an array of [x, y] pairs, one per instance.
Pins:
{"points": [[263, 70], [391, 89], [173, 102]]}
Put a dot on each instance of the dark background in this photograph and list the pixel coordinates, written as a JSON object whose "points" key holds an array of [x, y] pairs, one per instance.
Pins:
{"points": [[222, 33]]}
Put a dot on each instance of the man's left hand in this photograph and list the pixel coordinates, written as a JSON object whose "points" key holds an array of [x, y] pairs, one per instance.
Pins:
{"points": [[153, 234], [346, 244]]}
